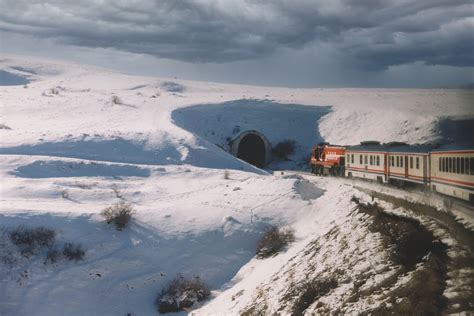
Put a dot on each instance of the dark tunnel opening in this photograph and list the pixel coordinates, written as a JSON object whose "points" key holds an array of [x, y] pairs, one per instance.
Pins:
{"points": [[252, 150]]}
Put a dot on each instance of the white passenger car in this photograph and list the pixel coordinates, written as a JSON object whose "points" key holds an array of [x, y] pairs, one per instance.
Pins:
{"points": [[452, 172], [367, 160], [409, 163]]}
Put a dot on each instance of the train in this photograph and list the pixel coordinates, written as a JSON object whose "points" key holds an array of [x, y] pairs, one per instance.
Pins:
{"points": [[446, 169]]}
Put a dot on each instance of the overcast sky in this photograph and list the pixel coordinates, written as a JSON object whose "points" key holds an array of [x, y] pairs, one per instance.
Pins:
{"points": [[296, 43]]}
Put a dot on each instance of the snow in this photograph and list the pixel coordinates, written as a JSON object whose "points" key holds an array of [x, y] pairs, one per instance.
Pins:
{"points": [[71, 151]]}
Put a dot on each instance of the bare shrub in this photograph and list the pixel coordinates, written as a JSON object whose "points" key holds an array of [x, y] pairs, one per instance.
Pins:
{"points": [[284, 149], [226, 174], [273, 241], [54, 91], [119, 214], [116, 100], [309, 292], [171, 86], [3, 126], [65, 194], [181, 294], [29, 240], [53, 255], [73, 251]]}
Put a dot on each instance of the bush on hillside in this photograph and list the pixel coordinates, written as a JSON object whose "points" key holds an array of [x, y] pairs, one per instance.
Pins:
{"points": [[73, 251], [23, 242], [53, 255], [284, 149], [309, 292], [30, 239], [181, 294], [171, 86], [273, 241], [116, 100], [119, 214]]}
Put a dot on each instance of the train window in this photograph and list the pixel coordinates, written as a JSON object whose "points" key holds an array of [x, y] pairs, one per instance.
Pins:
{"points": [[444, 164], [411, 162], [466, 164], [371, 159], [458, 165], [462, 165], [439, 164], [455, 165], [470, 166], [352, 158], [398, 161], [401, 161], [378, 160], [450, 164], [365, 159], [417, 162], [360, 159]]}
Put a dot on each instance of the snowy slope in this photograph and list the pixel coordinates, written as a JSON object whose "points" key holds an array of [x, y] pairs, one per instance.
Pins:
{"points": [[78, 139]]}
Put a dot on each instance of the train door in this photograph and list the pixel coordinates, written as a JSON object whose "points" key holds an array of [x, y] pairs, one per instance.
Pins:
{"points": [[425, 169], [406, 167]]}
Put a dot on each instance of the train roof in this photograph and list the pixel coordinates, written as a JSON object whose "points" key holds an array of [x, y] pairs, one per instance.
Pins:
{"points": [[393, 147], [410, 148], [365, 146], [454, 147], [397, 147]]}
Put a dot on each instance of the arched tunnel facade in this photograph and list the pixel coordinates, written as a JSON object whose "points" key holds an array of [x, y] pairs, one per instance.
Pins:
{"points": [[252, 147]]}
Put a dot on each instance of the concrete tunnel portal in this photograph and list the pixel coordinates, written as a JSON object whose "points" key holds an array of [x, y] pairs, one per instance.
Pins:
{"points": [[252, 147]]}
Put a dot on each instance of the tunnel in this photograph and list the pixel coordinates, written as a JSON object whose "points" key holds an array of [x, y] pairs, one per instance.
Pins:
{"points": [[252, 150]]}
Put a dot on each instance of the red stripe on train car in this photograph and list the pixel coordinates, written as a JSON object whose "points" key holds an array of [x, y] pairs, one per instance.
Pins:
{"points": [[402, 174], [371, 152], [454, 181], [407, 154], [363, 169]]}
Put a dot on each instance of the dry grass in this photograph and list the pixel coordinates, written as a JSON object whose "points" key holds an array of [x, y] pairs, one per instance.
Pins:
{"points": [[181, 294], [284, 149], [273, 241], [119, 214]]}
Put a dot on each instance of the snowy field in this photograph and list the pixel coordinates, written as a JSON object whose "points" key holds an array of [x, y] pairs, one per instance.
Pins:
{"points": [[77, 139]]}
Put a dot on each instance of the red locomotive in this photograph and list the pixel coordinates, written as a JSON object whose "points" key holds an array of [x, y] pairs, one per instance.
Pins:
{"points": [[328, 159]]}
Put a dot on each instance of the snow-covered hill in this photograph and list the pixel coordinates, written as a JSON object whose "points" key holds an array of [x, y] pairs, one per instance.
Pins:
{"points": [[77, 139]]}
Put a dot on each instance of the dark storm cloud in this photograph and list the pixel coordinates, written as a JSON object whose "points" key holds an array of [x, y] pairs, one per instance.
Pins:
{"points": [[372, 33]]}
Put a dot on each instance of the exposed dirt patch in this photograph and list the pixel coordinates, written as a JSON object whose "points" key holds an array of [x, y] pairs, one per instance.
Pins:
{"points": [[309, 292], [422, 258], [460, 264], [409, 239], [370, 262], [456, 229]]}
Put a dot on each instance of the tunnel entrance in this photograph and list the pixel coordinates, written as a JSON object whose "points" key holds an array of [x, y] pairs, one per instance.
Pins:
{"points": [[252, 150]]}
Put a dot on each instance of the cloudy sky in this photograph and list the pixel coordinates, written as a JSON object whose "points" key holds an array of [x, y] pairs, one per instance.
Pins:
{"points": [[296, 43]]}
